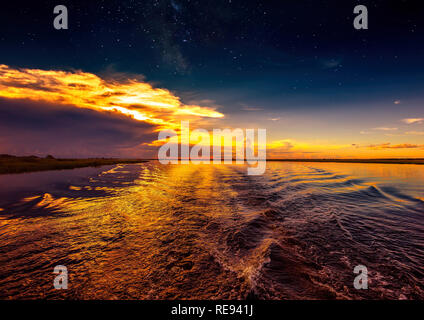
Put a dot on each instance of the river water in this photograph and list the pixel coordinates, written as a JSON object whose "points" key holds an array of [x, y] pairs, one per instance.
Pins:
{"points": [[152, 231]]}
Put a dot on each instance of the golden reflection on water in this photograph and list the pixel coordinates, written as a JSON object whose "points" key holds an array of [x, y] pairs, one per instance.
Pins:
{"points": [[369, 170], [406, 176], [177, 231]]}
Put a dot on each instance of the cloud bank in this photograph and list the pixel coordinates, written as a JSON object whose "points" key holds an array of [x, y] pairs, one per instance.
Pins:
{"points": [[131, 96], [79, 114]]}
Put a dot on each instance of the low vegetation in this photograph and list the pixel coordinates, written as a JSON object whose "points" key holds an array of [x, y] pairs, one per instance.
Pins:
{"points": [[14, 164]]}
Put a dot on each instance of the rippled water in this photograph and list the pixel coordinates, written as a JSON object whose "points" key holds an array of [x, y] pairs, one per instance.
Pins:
{"points": [[149, 231]]}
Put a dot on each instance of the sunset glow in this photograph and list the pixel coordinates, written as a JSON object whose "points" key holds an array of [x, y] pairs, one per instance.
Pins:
{"points": [[140, 101], [132, 97]]}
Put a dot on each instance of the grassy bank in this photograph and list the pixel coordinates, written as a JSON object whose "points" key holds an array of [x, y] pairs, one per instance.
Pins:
{"points": [[13, 164]]}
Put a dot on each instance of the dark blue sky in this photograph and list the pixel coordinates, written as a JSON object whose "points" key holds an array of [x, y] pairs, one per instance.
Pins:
{"points": [[299, 47]]}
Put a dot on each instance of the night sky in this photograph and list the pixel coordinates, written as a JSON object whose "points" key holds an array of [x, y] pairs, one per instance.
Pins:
{"points": [[297, 68]]}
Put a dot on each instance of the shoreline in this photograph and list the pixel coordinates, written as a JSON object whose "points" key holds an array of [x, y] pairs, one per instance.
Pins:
{"points": [[13, 164]]}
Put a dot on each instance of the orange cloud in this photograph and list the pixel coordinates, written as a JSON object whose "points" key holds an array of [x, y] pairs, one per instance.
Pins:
{"points": [[413, 120], [131, 97], [415, 133], [388, 145], [289, 148], [385, 129]]}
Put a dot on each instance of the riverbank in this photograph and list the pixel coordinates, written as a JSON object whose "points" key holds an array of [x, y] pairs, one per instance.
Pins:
{"points": [[14, 164]]}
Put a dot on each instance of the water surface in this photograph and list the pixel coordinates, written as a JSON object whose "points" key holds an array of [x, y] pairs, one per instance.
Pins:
{"points": [[149, 231]]}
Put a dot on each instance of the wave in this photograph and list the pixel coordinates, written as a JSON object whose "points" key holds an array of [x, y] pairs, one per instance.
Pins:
{"points": [[150, 231]]}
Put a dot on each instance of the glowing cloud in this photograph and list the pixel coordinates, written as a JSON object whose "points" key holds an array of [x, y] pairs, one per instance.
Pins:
{"points": [[415, 133], [289, 148], [388, 145], [385, 129], [413, 120], [131, 97]]}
